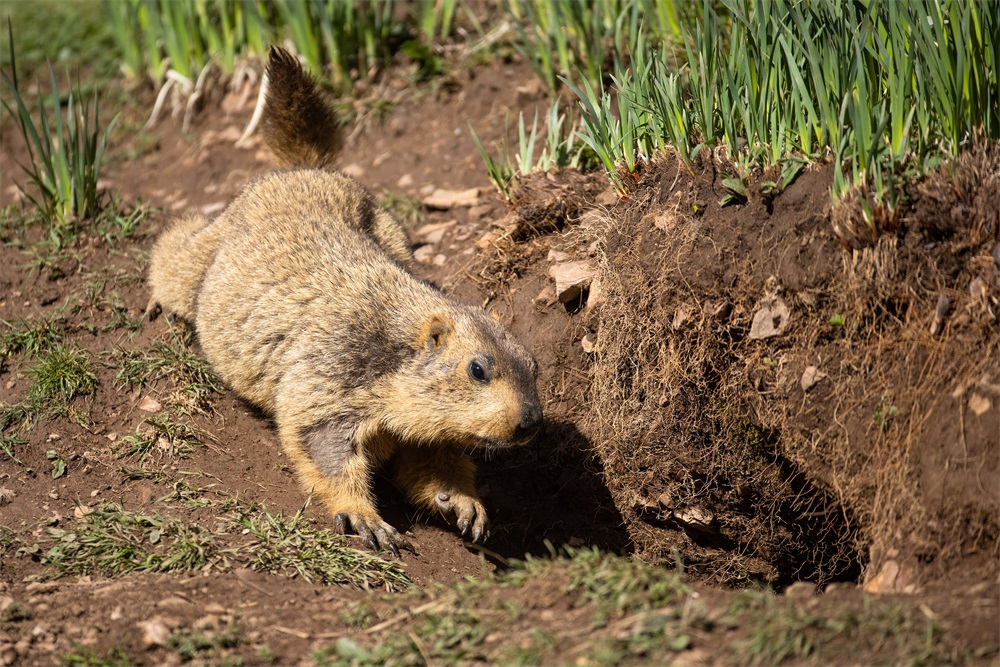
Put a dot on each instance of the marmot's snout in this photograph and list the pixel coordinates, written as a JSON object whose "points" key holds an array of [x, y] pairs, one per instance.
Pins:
{"points": [[530, 424]]}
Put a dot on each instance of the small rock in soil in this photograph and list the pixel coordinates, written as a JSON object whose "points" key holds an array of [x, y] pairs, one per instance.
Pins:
{"points": [[546, 297], [681, 317], [7, 496], [444, 199], [439, 260], [486, 240], [354, 170], [149, 404], [588, 343], [979, 405], [557, 256], [810, 377], [405, 181], [479, 212], [801, 589], [695, 516], [771, 320], [434, 232], [154, 632], [571, 279], [423, 254], [940, 311], [609, 197]]}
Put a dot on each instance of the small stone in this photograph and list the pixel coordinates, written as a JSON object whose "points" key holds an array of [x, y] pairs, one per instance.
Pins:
{"points": [[810, 377], [588, 344], [433, 228], [442, 199], [52, 437], [5, 601], [609, 197], [230, 134], [154, 633], [7, 496], [771, 320], [82, 510], [149, 404], [439, 260], [214, 207], [426, 190], [479, 212], [885, 580], [681, 317], [978, 403], [424, 254], [801, 589], [665, 499], [486, 240], [112, 436], [940, 312], [590, 218], [557, 256], [405, 181], [695, 516], [116, 614], [571, 279], [546, 297], [354, 170], [207, 622], [174, 604]]}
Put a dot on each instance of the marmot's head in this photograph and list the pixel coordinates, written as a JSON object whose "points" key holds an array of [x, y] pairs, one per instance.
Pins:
{"points": [[469, 382]]}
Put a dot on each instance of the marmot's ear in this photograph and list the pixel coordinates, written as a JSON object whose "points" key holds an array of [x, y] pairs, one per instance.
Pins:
{"points": [[436, 332]]}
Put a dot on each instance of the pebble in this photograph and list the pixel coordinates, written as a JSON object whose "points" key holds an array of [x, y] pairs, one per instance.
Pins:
{"points": [[810, 377], [444, 199], [770, 320], [424, 254], [354, 170], [149, 404], [571, 279]]}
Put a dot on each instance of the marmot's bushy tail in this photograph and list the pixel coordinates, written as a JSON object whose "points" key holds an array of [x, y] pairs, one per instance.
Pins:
{"points": [[298, 125]]}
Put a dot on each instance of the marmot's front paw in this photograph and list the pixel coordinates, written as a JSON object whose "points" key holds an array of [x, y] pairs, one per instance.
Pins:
{"points": [[469, 513], [375, 532]]}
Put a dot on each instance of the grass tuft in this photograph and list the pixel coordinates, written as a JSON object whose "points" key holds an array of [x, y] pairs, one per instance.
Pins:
{"points": [[59, 375]]}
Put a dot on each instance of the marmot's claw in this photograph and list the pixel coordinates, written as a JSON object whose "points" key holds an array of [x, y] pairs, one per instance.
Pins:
{"points": [[469, 513], [375, 533]]}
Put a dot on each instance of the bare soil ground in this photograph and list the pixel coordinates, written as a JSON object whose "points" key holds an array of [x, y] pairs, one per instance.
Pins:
{"points": [[790, 494]]}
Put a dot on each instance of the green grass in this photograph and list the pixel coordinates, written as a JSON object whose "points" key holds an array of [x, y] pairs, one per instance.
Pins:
{"points": [[405, 208], [59, 375], [161, 434], [190, 374], [112, 541], [173, 42], [73, 34], [29, 337], [560, 147], [65, 149], [886, 89]]}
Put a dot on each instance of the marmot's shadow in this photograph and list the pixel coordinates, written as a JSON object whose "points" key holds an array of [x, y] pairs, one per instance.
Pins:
{"points": [[550, 492]]}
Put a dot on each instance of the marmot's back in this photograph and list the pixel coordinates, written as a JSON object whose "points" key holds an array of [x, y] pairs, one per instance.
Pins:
{"points": [[300, 256]]}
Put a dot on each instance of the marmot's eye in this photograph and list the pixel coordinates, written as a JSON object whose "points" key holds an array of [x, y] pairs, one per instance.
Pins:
{"points": [[477, 371]]}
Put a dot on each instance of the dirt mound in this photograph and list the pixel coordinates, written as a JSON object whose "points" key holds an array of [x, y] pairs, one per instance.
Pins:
{"points": [[768, 406]]}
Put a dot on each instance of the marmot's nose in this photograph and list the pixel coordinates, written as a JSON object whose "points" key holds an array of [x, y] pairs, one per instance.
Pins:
{"points": [[531, 419]]}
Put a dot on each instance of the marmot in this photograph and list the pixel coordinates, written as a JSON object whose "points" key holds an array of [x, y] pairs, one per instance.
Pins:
{"points": [[301, 298]]}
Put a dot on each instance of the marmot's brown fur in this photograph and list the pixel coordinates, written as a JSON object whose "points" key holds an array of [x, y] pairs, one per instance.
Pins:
{"points": [[303, 303]]}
